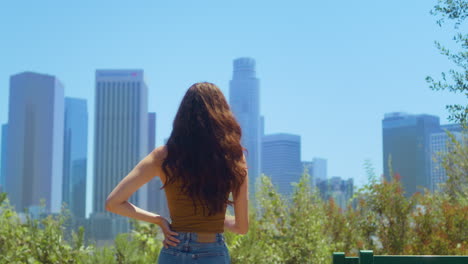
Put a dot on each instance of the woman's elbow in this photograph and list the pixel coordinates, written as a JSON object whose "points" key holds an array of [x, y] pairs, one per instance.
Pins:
{"points": [[109, 205]]}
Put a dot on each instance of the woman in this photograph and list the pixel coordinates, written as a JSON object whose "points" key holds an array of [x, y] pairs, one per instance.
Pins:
{"points": [[200, 166]]}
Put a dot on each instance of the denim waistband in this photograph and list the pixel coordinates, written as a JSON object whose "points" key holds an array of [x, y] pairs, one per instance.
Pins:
{"points": [[192, 236]]}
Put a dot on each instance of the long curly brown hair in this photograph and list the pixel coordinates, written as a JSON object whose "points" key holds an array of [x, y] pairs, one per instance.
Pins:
{"points": [[204, 152]]}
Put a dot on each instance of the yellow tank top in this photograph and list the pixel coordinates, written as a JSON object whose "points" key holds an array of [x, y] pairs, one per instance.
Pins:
{"points": [[183, 215]]}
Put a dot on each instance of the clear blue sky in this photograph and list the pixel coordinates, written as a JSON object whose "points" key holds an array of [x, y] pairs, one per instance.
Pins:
{"points": [[329, 70]]}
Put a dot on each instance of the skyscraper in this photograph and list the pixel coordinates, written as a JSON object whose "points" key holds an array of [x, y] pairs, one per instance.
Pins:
{"points": [[406, 140], [120, 142], [151, 131], [3, 157], [281, 160], [153, 191], [156, 197], [338, 189], [244, 99], [262, 128], [317, 169], [35, 129], [439, 147], [75, 155]]}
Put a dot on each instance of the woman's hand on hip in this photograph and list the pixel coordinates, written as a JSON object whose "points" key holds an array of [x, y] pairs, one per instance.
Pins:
{"points": [[169, 239]]}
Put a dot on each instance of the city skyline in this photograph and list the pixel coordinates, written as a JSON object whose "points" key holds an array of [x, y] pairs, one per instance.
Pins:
{"points": [[330, 83], [108, 74]]}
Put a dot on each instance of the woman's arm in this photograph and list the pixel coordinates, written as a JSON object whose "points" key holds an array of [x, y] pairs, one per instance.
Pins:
{"points": [[144, 171], [117, 201], [240, 222]]}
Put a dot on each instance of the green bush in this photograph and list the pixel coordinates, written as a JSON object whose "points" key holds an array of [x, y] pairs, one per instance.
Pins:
{"points": [[299, 229]]}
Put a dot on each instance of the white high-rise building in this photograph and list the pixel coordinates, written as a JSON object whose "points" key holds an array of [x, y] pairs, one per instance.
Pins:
{"points": [[281, 160], [244, 99], [120, 140], [35, 142]]}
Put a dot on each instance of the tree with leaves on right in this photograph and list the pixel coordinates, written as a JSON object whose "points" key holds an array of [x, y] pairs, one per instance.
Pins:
{"points": [[456, 80]]}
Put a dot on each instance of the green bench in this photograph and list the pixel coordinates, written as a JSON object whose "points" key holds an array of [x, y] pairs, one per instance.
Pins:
{"points": [[367, 257]]}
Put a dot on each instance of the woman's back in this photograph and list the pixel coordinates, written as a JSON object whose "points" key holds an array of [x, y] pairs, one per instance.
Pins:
{"points": [[189, 217], [201, 164]]}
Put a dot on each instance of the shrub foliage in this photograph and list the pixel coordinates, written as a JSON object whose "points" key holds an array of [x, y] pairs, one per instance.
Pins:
{"points": [[299, 229]]}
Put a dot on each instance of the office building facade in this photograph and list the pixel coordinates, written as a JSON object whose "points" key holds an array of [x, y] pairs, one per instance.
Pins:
{"points": [[35, 129], [244, 100], [317, 169], [440, 143], [281, 160], [3, 157], [120, 141], [75, 156], [336, 188], [157, 201], [406, 141]]}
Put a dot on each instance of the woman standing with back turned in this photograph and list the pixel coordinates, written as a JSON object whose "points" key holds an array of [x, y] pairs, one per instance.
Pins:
{"points": [[200, 166]]}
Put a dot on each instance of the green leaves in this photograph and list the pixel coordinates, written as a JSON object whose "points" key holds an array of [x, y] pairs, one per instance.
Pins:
{"points": [[301, 228], [42, 241], [456, 80]]}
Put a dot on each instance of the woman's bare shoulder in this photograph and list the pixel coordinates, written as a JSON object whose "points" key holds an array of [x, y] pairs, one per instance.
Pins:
{"points": [[159, 153]]}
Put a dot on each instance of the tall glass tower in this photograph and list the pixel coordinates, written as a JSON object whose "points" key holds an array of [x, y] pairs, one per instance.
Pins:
{"points": [[406, 141], [244, 99], [75, 155], [35, 142], [120, 142]]}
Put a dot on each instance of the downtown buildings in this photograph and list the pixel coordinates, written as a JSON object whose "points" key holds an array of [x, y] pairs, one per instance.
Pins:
{"points": [[35, 128], [50, 135], [338, 189], [121, 90], [45, 155]]}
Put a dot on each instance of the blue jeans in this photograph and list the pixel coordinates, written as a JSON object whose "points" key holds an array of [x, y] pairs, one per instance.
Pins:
{"points": [[188, 250]]}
